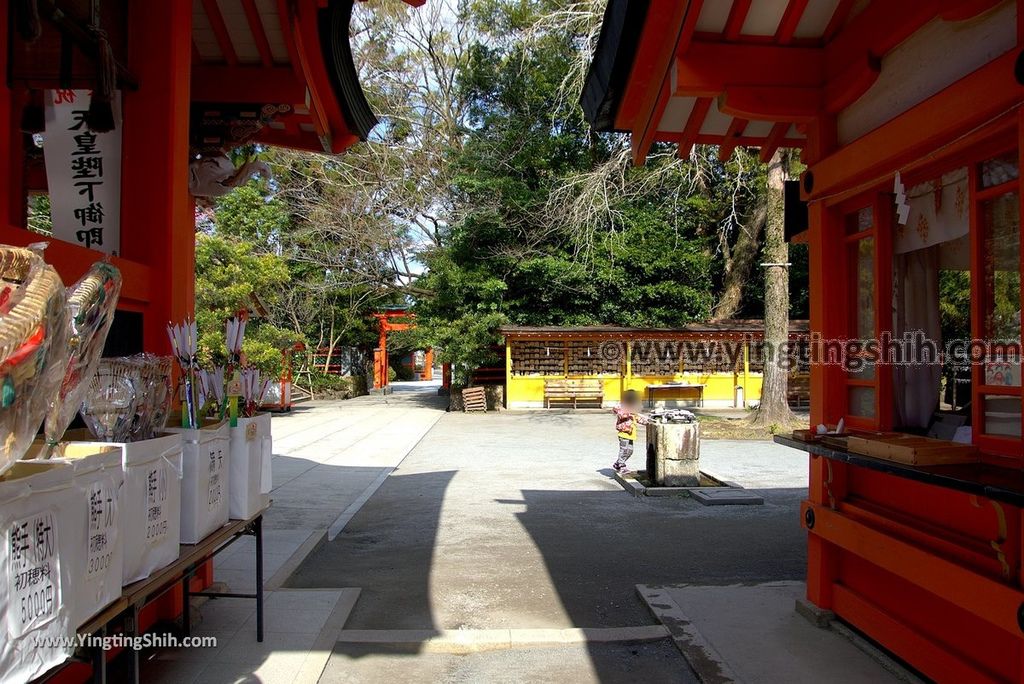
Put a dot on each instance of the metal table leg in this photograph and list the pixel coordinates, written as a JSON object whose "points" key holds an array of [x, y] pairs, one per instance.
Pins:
{"points": [[186, 605], [133, 631], [259, 578], [99, 659]]}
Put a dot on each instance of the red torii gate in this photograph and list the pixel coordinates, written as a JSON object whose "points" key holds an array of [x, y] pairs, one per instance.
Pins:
{"points": [[399, 320]]}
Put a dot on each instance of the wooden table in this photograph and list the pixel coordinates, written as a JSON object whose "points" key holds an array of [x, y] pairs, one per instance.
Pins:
{"points": [[675, 385], [134, 597]]}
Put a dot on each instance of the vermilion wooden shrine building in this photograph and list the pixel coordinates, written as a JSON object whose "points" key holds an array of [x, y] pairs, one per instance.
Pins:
{"points": [[196, 79], [926, 561]]}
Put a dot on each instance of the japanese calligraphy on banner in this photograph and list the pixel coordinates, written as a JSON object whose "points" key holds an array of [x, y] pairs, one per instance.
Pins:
{"points": [[102, 527], [215, 491], [157, 510], [34, 573], [83, 171]]}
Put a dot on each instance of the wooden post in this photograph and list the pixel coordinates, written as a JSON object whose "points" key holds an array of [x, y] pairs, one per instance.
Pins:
{"points": [[381, 360], [157, 211], [629, 366], [825, 252], [746, 372], [508, 371], [17, 197]]}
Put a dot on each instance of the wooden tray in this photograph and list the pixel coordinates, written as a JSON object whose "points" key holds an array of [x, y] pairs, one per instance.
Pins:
{"points": [[806, 436], [913, 450], [835, 441]]}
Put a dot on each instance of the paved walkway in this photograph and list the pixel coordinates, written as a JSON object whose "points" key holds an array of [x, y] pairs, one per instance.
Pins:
{"points": [[511, 521], [409, 544], [750, 633], [329, 457]]}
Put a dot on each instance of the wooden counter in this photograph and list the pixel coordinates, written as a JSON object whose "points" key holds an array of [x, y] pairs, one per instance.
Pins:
{"points": [[999, 484], [926, 561]]}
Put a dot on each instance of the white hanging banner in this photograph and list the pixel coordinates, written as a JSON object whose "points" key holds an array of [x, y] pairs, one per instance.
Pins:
{"points": [[938, 213], [83, 171]]}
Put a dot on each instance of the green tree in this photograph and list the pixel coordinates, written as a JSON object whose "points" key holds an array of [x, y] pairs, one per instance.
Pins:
{"points": [[231, 277], [521, 247]]}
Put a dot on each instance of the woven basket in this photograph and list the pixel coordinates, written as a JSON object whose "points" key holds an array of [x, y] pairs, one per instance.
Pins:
{"points": [[33, 354]]}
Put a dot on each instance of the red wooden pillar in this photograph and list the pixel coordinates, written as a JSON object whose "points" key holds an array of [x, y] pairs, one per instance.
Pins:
{"points": [[428, 364], [17, 189], [827, 479], [381, 355], [7, 131], [157, 211]]}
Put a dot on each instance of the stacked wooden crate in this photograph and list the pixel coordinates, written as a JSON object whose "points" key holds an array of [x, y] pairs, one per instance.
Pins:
{"points": [[474, 399]]}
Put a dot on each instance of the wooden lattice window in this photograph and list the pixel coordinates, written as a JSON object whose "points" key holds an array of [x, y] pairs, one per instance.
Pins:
{"points": [[595, 358], [705, 356], [544, 357], [655, 357]]}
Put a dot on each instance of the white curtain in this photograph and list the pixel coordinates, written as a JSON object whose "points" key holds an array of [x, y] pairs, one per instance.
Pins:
{"points": [[916, 294]]}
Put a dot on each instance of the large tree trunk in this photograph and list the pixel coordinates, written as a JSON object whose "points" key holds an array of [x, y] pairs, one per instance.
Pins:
{"points": [[774, 406], [739, 265], [330, 348]]}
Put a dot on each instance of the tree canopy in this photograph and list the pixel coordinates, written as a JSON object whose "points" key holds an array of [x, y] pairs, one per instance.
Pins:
{"points": [[485, 199]]}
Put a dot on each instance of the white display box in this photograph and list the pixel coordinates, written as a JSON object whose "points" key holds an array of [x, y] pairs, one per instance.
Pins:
{"points": [[36, 514], [150, 523], [205, 484], [97, 569], [251, 451]]}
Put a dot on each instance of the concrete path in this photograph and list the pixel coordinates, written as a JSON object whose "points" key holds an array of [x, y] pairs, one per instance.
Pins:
{"points": [[408, 544], [511, 521], [329, 457], [752, 634], [302, 628]]}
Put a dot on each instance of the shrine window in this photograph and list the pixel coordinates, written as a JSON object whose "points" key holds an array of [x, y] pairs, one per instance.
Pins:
{"points": [[931, 302], [861, 374], [996, 299]]}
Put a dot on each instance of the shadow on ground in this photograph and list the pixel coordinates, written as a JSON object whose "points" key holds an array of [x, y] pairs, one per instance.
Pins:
{"points": [[509, 522]]}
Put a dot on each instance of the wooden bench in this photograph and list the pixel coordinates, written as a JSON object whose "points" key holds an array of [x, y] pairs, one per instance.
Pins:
{"points": [[590, 390], [798, 391]]}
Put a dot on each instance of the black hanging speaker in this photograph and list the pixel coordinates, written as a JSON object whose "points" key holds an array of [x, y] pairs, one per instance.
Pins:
{"points": [[794, 211]]}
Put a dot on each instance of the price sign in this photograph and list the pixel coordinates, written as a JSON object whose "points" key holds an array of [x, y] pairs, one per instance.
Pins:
{"points": [[102, 527], [34, 572], [156, 504], [215, 491]]}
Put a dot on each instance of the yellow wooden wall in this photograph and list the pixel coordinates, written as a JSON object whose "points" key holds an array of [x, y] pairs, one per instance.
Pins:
{"points": [[527, 391]]}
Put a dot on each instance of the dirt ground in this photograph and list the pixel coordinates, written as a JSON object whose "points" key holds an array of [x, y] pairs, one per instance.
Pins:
{"points": [[739, 427]]}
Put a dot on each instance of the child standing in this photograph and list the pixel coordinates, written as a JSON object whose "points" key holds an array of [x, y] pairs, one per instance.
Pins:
{"points": [[627, 417]]}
